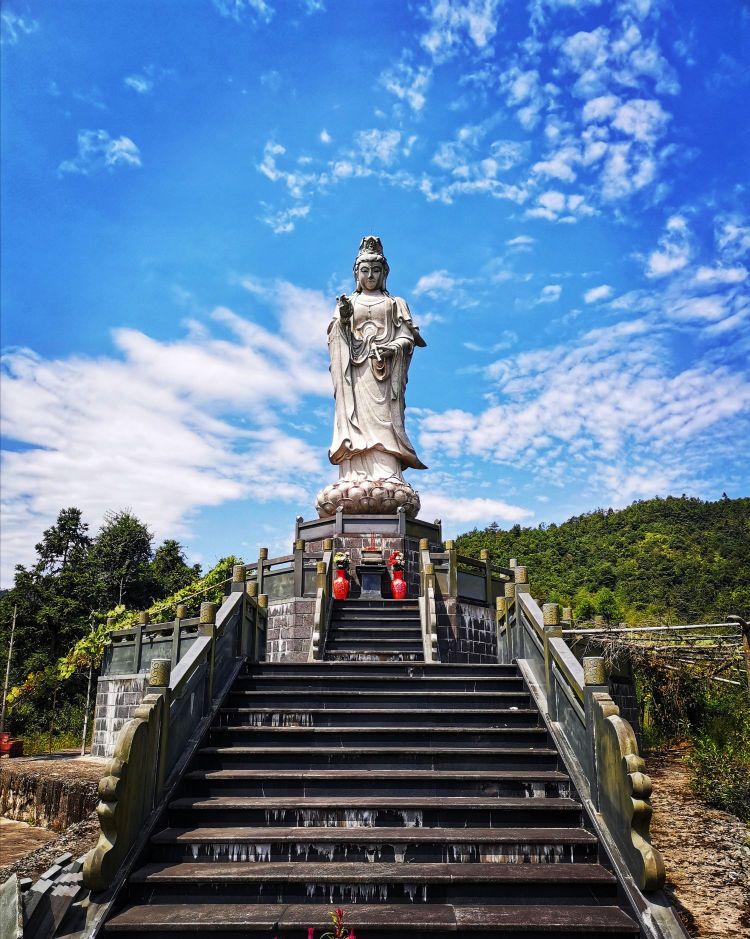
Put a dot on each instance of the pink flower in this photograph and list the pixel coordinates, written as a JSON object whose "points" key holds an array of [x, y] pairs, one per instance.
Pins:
{"points": [[310, 932]]}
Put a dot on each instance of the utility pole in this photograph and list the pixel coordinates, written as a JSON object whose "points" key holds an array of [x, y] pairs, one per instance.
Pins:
{"points": [[7, 669]]}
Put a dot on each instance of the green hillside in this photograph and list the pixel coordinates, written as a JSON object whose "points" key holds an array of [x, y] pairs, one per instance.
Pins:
{"points": [[675, 559]]}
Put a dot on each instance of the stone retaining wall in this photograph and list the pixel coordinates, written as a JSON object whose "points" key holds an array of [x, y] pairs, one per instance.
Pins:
{"points": [[289, 630]]}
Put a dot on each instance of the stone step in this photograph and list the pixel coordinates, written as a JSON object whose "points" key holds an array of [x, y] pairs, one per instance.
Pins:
{"points": [[334, 672], [372, 655], [361, 717], [263, 844], [374, 631], [382, 683], [348, 882], [393, 735], [389, 812], [235, 920], [392, 757], [380, 644], [378, 783], [374, 699]]}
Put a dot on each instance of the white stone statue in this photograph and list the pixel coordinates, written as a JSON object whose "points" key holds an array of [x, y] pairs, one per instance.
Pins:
{"points": [[370, 341]]}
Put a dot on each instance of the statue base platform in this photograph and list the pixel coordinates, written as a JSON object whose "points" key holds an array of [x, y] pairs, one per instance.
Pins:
{"points": [[367, 497]]}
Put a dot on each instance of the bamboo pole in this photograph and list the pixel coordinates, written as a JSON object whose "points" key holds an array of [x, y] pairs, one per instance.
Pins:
{"points": [[7, 669]]}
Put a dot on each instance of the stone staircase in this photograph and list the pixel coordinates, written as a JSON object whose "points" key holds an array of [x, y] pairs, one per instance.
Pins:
{"points": [[375, 630], [423, 799]]}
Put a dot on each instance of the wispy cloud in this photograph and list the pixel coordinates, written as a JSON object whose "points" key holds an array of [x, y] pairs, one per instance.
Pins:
{"points": [[453, 25], [238, 10], [98, 151], [143, 82], [159, 425], [674, 249], [408, 83], [595, 294], [13, 27]]}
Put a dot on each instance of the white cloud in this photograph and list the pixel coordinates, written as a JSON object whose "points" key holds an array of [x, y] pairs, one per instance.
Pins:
{"points": [[550, 294], [610, 401], [720, 275], [239, 9], [674, 249], [13, 26], [98, 151], [408, 83], [455, 510], [283, 221], [600, 109], [556, 206], [521, 242], [159, 427], [378, 145], [641, 119], [435, 283], [457, 24], [325, 137], [597, 293], [139, 83], [733, 236]]}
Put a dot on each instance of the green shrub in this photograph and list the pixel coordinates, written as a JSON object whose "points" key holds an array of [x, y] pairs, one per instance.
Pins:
{"points": [[720, 773]]}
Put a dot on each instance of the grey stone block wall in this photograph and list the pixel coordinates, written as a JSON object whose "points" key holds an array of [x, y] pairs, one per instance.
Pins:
{"points": [[466, 632], [116, 701], [289, 632]]}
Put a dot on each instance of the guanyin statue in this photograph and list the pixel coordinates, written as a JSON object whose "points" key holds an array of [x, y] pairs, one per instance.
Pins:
{"points": [[370, 341]]}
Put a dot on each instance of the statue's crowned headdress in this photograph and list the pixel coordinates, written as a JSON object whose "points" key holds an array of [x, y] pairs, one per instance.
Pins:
{"points": [[371, 249]]}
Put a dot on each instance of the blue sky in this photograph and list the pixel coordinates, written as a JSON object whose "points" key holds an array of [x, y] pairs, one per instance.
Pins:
{"points": [[562, 192]]}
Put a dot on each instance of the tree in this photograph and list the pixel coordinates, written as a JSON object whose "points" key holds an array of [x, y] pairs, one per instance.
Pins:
{"points": [[120, 556], [606, 605], [64, 542], [169, 570]]}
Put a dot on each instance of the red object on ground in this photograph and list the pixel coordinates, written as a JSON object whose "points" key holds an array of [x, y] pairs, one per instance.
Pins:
{"points": [[398, 586], [9, 746], [340, 585]]}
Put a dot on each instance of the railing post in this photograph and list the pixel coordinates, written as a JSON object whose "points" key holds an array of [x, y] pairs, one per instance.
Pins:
{"points": [[450, 549], [262, 627], [522, 586], [239, 574], [262, 558], [299, 561], [143, 620], [179, 615], [424, 545], [551, 615], [501, 627], [484, 555], [251, 636], [158, 683], [594, 680], [207, 627], [510, 621]]}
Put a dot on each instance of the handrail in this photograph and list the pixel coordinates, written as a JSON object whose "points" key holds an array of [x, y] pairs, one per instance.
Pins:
{"points": [[150, 748], [323, 602], [585, 723], [427, 605]]}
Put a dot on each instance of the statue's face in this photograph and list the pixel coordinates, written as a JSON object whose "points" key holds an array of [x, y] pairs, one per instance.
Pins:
{"points": [[369, 275]]}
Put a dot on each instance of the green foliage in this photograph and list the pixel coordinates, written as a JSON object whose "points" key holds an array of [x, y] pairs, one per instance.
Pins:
{"points": [[62, 599], [720, 762], [663, 560], [673, 559]]}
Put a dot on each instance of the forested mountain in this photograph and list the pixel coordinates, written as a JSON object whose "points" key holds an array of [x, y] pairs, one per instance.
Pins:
{"points": [[678, 559]]}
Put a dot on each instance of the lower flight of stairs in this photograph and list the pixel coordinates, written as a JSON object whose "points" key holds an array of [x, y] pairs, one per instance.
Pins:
{"points": [[423, 799]]}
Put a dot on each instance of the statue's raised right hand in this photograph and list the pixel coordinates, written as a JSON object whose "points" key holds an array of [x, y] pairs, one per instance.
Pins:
{"points": [[344, 306]]}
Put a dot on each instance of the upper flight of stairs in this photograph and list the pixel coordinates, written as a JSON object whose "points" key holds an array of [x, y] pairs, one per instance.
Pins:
{"points": [[375, 630], [425, 800]]}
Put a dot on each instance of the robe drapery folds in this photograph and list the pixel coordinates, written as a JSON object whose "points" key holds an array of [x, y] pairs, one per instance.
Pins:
{"points": [[369, 388]]}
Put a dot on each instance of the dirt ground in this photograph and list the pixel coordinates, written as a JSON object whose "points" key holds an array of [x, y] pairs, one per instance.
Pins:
{"points": [[707, 853], [17, 839]]}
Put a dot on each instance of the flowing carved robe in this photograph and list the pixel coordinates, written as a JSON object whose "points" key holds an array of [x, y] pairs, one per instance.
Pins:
{"points": [[368, 433]]}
